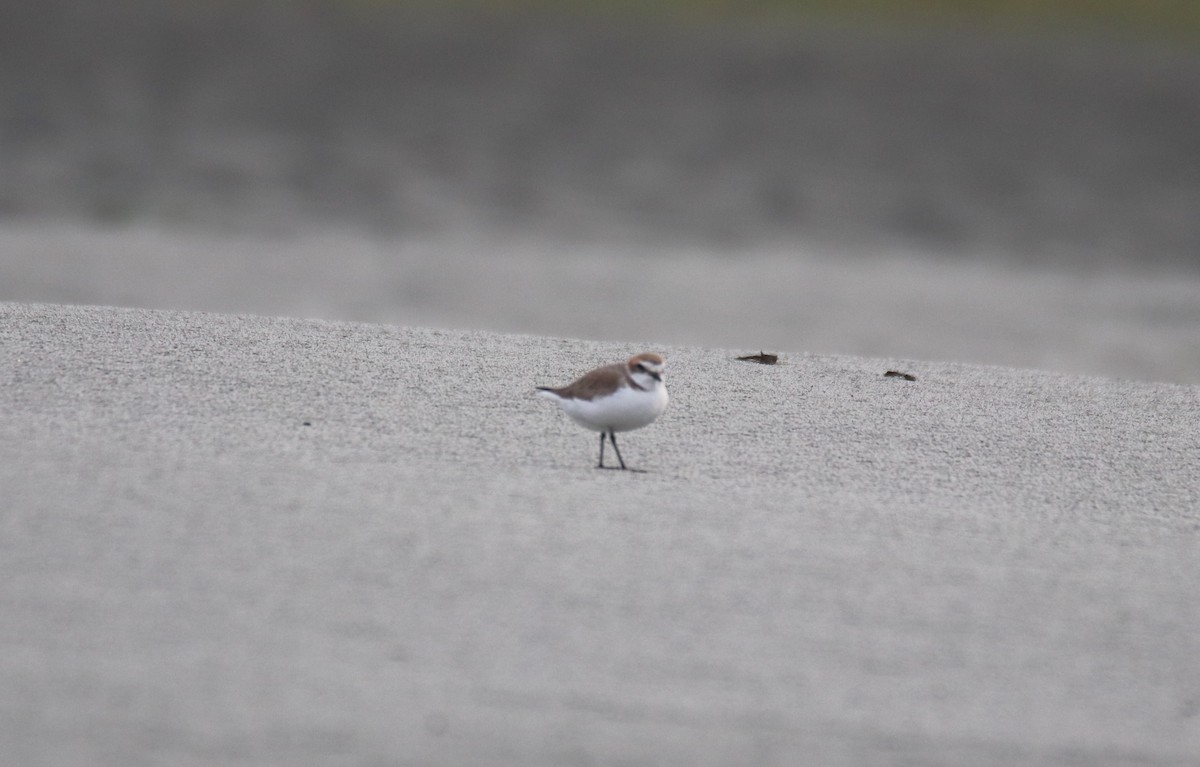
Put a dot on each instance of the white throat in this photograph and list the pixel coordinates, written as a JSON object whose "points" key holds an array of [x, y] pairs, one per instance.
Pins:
{"points": [[646, 381]]}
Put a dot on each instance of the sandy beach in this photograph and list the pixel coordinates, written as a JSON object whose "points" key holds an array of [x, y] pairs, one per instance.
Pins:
{"points": [[277, 282], [1134, 323], [242, 540]]}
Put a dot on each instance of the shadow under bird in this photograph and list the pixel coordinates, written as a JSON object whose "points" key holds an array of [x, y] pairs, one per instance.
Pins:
{"points": [[622, 396]]}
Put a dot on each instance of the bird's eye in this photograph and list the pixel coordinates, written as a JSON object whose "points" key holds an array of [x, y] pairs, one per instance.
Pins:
{"points": [[640, 367]]}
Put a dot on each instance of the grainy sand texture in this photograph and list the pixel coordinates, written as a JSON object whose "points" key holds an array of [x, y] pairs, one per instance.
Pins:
{"points": [[277, 282], [239, 540]]}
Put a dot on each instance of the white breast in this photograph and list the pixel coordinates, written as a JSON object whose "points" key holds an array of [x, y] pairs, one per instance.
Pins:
{"points": [[624, 410]]}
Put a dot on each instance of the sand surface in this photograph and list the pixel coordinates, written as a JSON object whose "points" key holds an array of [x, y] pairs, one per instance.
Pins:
{"points": [[230, 539], [1134, 324], [238, 540]]}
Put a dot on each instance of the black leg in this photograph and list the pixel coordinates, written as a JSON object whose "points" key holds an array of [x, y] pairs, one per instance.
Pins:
{"points": [[602, 436], [612, 436]]}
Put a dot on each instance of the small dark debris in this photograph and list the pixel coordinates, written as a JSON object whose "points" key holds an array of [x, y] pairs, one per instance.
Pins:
{"points": [[308, 423], [761, 358], [898, 374]]}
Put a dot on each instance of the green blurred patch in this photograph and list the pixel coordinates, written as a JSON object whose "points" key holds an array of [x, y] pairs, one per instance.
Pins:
{"points": [[1170, 19]]}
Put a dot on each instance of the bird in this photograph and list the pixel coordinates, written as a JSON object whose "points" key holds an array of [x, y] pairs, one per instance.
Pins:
{"points": [[619, 397]]}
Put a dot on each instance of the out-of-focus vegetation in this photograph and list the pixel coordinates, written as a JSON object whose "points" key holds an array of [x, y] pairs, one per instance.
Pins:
{"points": [[1173, 19]]}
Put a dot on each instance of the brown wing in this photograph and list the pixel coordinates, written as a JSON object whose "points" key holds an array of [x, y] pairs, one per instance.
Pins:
{"points": [[595, 383]]}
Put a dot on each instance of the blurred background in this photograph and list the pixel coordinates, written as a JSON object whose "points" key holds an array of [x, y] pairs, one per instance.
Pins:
{"points": [[993, 181]]}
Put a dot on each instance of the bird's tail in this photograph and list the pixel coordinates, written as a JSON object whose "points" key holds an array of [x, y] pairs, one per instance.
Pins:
{"points": [[547, 392]]}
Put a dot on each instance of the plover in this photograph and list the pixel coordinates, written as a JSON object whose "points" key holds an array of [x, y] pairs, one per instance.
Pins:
{"points": [[618, 397]]}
